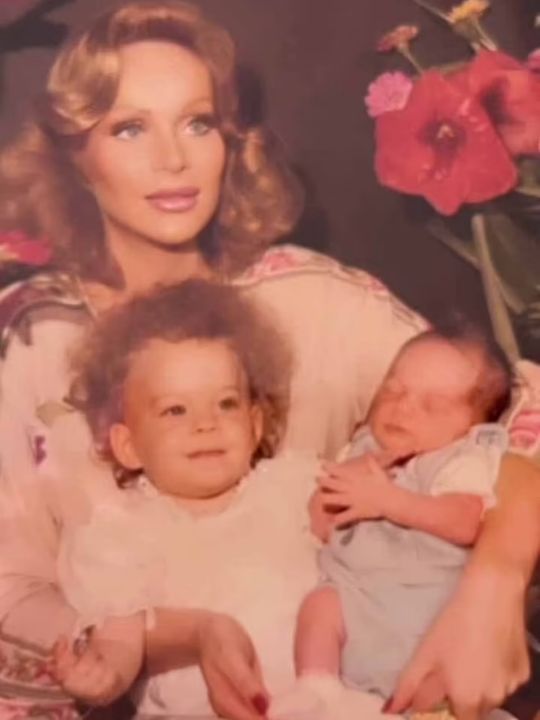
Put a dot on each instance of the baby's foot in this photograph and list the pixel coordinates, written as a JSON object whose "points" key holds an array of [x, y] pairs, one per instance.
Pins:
{"points": [[324, 697], [306, 699]]}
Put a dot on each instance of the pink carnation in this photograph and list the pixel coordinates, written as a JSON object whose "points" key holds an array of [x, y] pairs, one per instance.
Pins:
{"points": [[533, 61], [390, 91]]}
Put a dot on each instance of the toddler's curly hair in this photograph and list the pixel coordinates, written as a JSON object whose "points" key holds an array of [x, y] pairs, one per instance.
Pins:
{"points": [[192, 310]]}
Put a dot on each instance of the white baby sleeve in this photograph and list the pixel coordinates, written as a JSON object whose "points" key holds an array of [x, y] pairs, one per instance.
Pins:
{"points": [[474, 466], [109, 567]]}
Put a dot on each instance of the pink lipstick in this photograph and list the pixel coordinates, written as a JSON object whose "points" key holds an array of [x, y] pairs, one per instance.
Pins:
{"points": [[178, 200]]}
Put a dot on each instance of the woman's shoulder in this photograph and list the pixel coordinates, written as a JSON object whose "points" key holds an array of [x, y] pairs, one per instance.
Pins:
{"points": [[292, 279], [286, 261], [50, 295], [287, 270]]}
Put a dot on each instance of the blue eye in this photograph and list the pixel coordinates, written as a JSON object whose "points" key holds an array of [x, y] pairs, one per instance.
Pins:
{"points": [[201, 124], [127, 130]]}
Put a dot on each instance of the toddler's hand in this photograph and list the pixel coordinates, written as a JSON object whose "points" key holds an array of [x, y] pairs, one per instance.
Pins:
{"points": [[358, 488], [86, 677]]}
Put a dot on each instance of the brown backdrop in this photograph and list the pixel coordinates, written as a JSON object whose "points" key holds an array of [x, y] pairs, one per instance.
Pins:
{"points": [[307, 64]]}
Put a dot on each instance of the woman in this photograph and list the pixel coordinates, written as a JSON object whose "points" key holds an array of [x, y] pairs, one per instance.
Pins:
{"points": [[137, 170]]}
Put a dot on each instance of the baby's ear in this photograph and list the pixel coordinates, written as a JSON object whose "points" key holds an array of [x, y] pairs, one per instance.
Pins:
{"points": [[122, 447]]}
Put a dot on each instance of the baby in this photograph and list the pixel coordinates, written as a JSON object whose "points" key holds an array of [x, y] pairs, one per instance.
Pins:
{"points": [[399, 515], [186, 392]]}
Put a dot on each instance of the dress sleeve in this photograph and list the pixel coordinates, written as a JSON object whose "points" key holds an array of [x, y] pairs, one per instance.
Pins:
{"points": [[473, 468], [110, 565], [31, 607], [344, 328]]}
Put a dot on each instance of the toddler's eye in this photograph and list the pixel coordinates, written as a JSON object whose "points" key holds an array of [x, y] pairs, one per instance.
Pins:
{"points": [[229, 403], [174, 410]]}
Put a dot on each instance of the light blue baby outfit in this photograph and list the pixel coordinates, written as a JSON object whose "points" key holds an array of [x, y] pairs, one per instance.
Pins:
{"points": [[393, 581]]}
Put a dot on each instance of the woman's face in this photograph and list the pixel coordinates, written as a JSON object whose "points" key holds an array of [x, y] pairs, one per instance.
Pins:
{"points": [[155, 161]]}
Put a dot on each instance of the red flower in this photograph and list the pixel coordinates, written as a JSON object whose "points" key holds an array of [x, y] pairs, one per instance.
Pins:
{"points": [[510, 94], [19, 247], [442, 146]]}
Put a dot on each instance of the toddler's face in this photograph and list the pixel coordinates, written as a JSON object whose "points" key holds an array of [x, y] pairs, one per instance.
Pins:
{"points": [[188, 419], [424, 401]]}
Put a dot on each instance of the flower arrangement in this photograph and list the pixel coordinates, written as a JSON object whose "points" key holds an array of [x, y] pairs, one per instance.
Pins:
{"points": [[466, 138]]}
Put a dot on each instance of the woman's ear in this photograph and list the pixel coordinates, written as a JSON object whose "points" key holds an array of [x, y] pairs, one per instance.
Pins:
{"points": [[122, 447], [257, 421]]}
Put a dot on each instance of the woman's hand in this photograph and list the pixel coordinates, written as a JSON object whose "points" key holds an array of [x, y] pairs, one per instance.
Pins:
{"points": [[231, 670], [475, 654]]}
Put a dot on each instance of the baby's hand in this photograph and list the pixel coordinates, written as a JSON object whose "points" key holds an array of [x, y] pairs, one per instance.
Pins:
{"points": [[86, 676], [321, 521], [357, 488]]}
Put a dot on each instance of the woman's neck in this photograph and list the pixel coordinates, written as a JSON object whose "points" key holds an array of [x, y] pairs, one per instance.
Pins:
{"points": [[144, 265]]}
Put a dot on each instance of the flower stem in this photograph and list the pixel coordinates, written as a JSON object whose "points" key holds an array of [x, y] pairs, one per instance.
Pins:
{"points": [[485, 40], [405, 51], [432, 9], [498, 311]]}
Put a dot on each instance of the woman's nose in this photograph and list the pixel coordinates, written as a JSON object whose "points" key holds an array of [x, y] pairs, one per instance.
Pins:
{"points": [[170, 153]]}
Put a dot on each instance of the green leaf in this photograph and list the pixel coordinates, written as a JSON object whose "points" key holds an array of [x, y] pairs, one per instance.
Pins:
{"points": [[432, 9], [465, 250], [528, 326], [516, 256], [528, 190], [499, 314]]}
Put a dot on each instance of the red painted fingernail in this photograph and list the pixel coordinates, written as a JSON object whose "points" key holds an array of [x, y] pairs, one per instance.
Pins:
{"points": [[386, 707], [260, 703]]}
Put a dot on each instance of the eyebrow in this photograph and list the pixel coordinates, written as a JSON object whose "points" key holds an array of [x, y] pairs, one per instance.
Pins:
{"points": [[159, 397], [204, 100]]}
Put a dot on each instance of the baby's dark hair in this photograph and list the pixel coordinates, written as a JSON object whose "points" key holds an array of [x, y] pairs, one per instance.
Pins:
{"points": [[493, 391], [193, 310]]}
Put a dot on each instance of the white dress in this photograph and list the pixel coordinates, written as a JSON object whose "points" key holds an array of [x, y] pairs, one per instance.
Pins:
{"points": [[255, 561]]}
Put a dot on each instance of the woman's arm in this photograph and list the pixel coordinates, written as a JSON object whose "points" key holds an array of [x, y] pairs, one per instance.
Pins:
{"points": [[475, 652], [32, 609], [107, 667], [224, 652]]}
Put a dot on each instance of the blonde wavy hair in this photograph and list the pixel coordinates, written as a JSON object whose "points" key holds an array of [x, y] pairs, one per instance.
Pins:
{"points": [[43, 193]]}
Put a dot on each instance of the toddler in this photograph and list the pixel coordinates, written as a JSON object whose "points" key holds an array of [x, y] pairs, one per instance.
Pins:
{"points": [[186, 390], [399, 515]]}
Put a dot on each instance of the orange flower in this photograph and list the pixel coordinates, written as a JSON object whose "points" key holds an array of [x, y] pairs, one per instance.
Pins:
{"points": [[398, 38], [467, 10]]}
